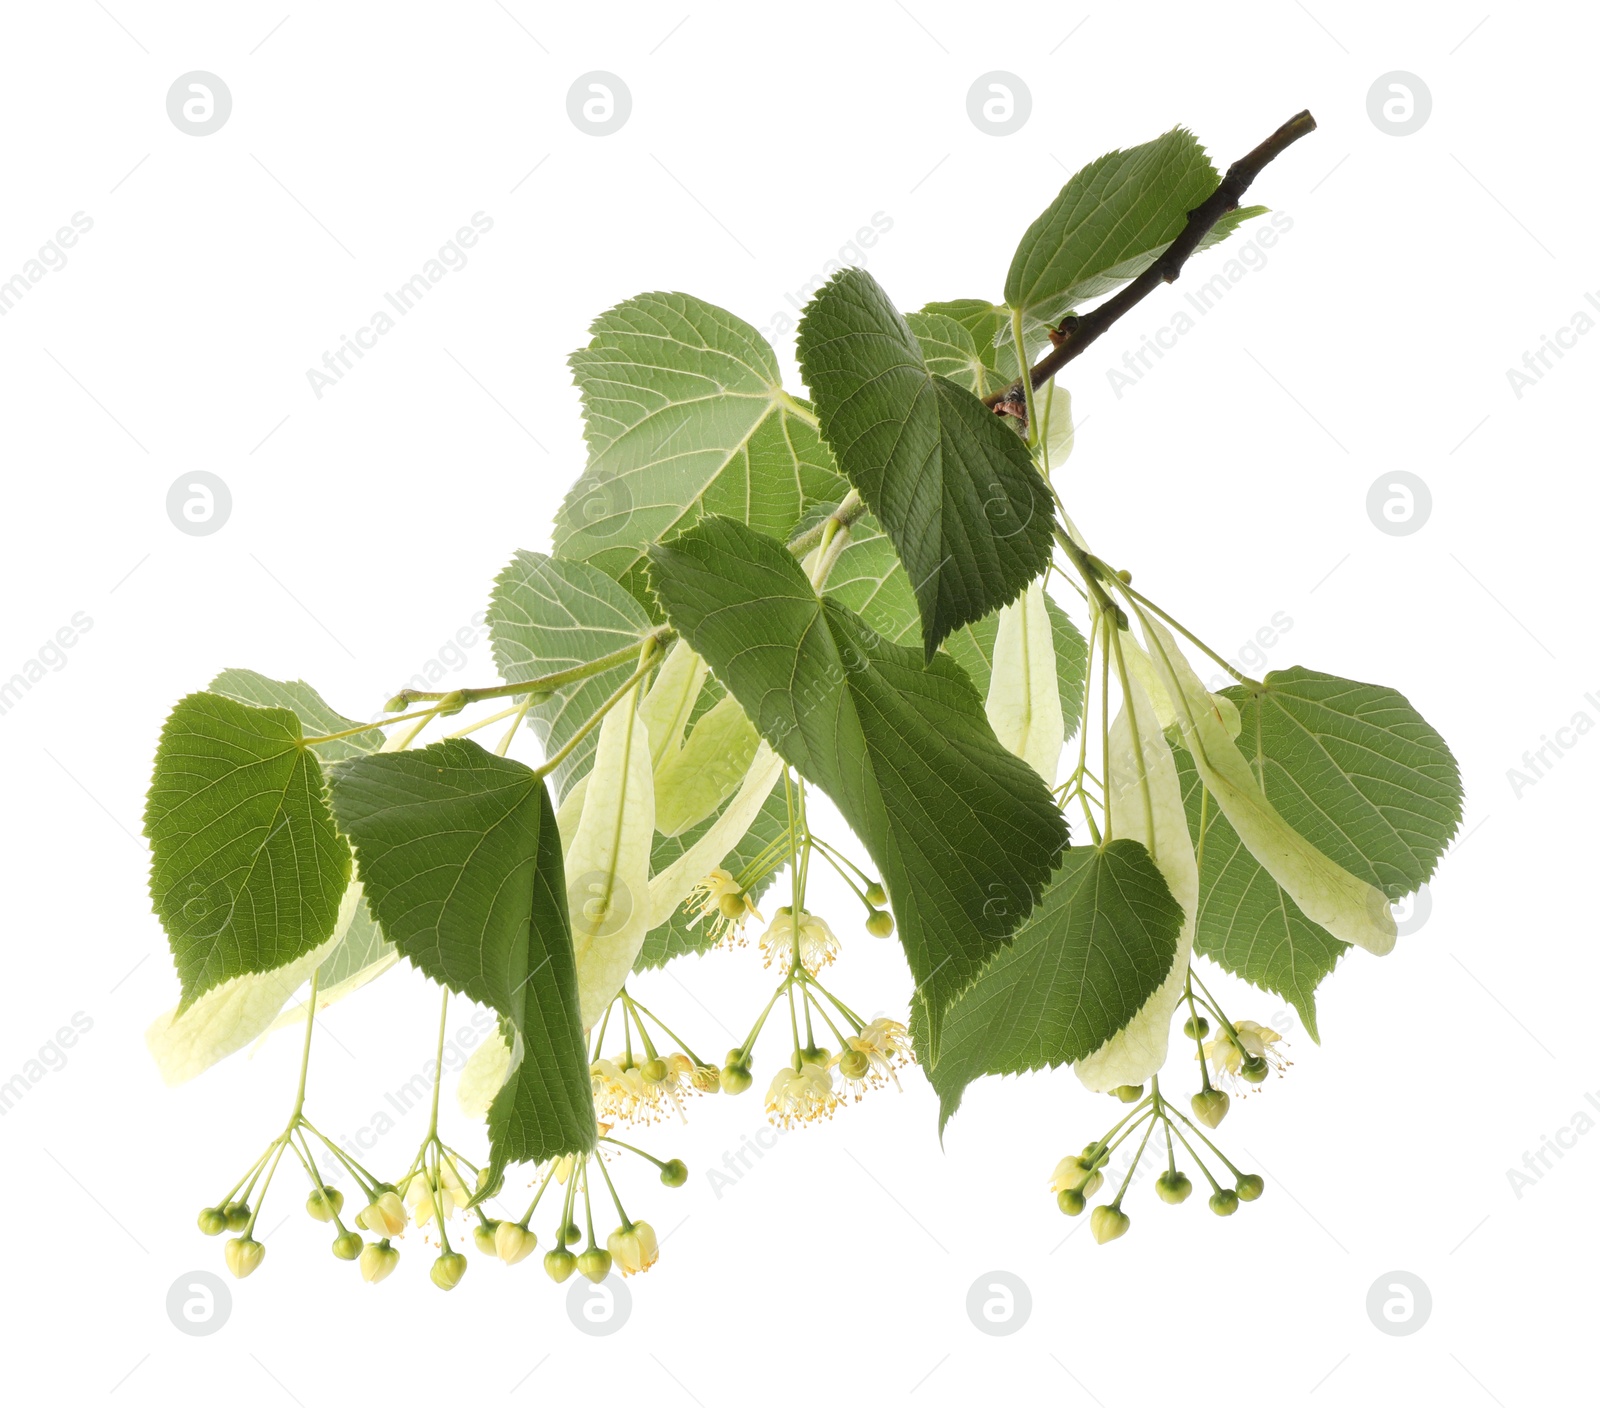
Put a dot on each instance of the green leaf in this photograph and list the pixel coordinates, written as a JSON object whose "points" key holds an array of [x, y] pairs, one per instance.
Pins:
{"points": [[964, 834], [246, 866], [1244, 920], [305, 704], [461, 860], [1355, 770], [951, 484], [684, 413], [972, 647], [1110, 222], [1091, 954], [547, 615], [958, 341], [680, 934]]}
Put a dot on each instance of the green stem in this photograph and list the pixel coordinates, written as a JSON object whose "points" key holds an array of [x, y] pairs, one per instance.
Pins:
{"points": [[438, 1068], [616, 697], [560, 678]]}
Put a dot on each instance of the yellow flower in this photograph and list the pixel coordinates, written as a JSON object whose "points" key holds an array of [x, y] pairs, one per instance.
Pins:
{"points": [[881, 1045], [642, 1092], [618, 1093], [720, 898], [796, 1097], [818, 944], [377, 1261], [1227, 1056], [423, 1189], [633, 1247], [385, 1215]]}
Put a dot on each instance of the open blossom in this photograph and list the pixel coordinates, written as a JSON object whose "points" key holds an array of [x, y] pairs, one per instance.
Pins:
{"points": [[422, 1190], [720, 898], [624, 1091], [1227, 1055], [795, 1097], [884, 1044], [633, 1248], [818, 944]]}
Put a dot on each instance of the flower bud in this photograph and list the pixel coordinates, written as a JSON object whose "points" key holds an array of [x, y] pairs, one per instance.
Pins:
{"points": [[854, 1064], [397, 704], [1250, 1187], [1254, 1069], [447, 1271], [1224, 1202], [1173, 1187], [877, 895], [1072, 1173], [1209, 1107], [513, 1242], [238, 1216], [212, 1221], [1070, 1201], [595, 1263], [735, 1079], [880, 923], [385, 1215], [243, 1255], [674, 1173], [325, 1204], [1196, 1028], [571, 1234], [347, 1246], [1129, 1094], [1107, 1223], [378, 1260], [559, 1264], [633, 1247], [1092, 1187], [483, 1237], [654, 1070]]}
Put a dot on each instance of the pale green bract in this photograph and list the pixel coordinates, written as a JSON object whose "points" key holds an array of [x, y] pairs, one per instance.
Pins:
{"points": [[684, 412], [608, 860], [701, 775], [1023, 704]]}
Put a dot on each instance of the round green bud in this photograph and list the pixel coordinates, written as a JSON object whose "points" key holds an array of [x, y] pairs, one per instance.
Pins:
{"points": [[447, 1271], [396, 705], [736, 1058], [325, 1204], [238, 1216], [654, 1070], [1254, 1069], [1124, 575], [347, 1246], [243, 1255], [570, 1233], [735, 1079], [1224, 1202], [212, 1221], [1070, 1201], [1129, 1094], [1091, 1148], [483, 1237], [877, 895], [731, 905], [1250, 1186], [1196, 1028], [595, 1264], [1107, 1223], [880, 923], [1173, 1187], [674, 1173], [854, 1064], [1210, 1106], [559, 1264]]}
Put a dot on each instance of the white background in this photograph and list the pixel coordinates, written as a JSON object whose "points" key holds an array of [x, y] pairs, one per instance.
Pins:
{"points": [[367, 526]]}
